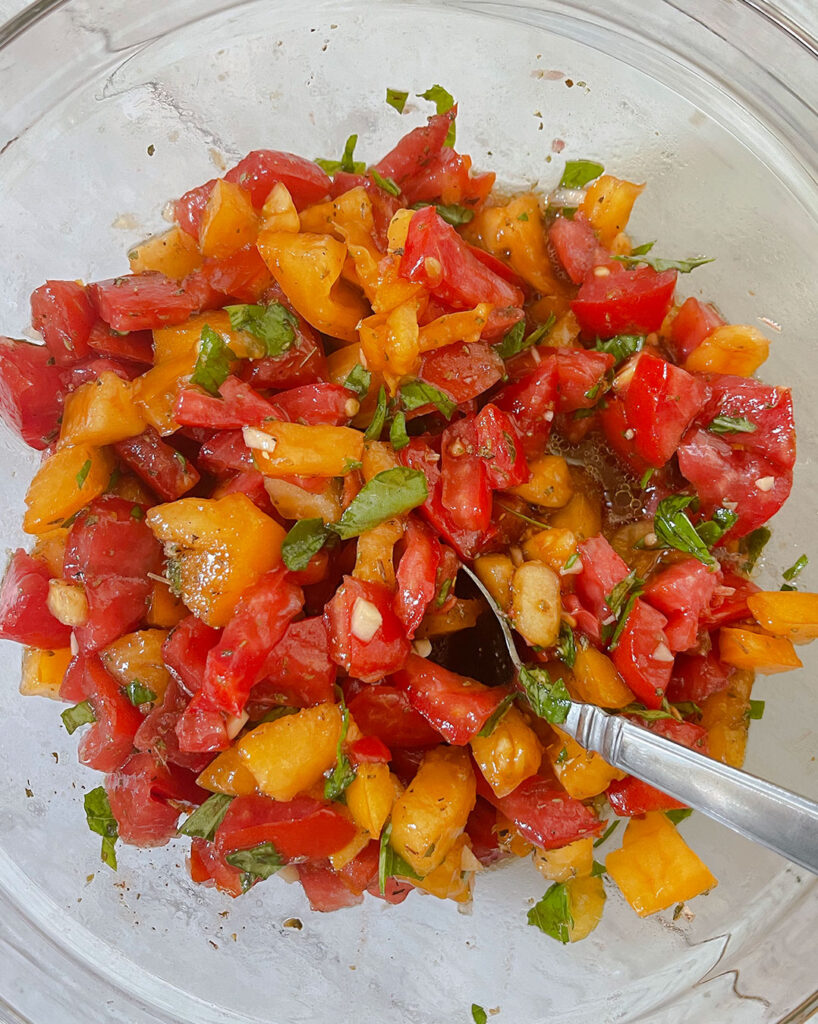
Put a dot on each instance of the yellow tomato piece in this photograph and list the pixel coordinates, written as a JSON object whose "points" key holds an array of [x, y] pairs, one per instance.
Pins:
{"points": [[50, 548], [747, 648], [165, 610], [291, 754], [452, 327], [156, 391], [453, 879], [308, 268], [572, 861], [228, 774], [138, 657], [299, 449], [463, 614], [509, 839], [655, 867], [279, 212], [583, 773], [549, 484], [516, 234], [432, 813], [495, 572], [394, 290], [582, 515], [565, 332], [371, 795], [786, 613], [228, 222], [596, 680], [67, 602], [725, 715], [390, 342], [607, 205], [735, 348], [183, 340], [374, 553], [216, 548], [101, 412], [378, 456], [66, 482], [131, 488], [43, 672], [352, 207], [510, 755], [553, 546], [586, 896], [398, 229], [342, 857], [536, 604], [294, 502], [174, 254]]}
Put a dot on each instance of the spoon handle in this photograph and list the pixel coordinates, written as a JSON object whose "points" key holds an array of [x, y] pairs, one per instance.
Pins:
{"points": [[768, 814]]}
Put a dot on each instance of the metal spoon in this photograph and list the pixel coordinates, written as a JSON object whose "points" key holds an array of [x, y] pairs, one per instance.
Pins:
{"points": [[768, 814]]}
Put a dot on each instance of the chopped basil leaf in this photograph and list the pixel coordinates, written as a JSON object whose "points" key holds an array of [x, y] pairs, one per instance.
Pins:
{"points": [[683, 266], [387, 184], [606, 834], [552, 914], [524, 517], [752, 545], [101, 820], [398, 437], [646, 476], [397, 98], [571, 561], [756, 709], [274, 325], [795, 569], [678, 814], [548, 699], [514, 341], [443, 594], [593, 392], [138, 694], [714, 529], [393, 492], [173, 571], [522, 216], [673, 527], [687, 707], [82, 476], [732, 425], [622, 346], [562, 756], [213, 362], [640, 250], [443, 101], [350, 465], [494, 718], [597, 869], [618, 597], [304, 539], [478, 1014], [79, 714], [207, 817], [417, 393], [566, 646], [347, 162], [454, 214], [257, 863], [359, 380], [373, 431], [622, 621], [579, 173], [137, 512], [390, 863], [649, 714], [343, 773]]}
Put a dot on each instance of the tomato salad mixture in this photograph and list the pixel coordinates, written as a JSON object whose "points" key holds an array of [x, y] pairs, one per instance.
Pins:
{"points": [[268, 449]]}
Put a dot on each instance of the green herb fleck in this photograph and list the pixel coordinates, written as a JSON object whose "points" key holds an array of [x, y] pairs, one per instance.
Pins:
{"points": [[79, 714], [494, 718], [597, 869], [358, 380], [101, 820], [213, 362], [752, 545], [683, 266], [137, 512], [207, 817], [173, 572], [394, 492], [443, 101], [478, 1014], [795, 569], [417, 393], [732, 425], [566, 645], [375, 428], [347, 163], [82, 476], [257, 863], [549, 699], [390, 863], [712, 530], [387, 184], [515, 341], [678, 814], [646, 477], [579, 173], [756, 709], [649, 714], [274, 325], [455, 214], [398, 437], [606, 834], [304, 539], [343, 773], [674, 529], [622, 346], [397, 98], [640, 250], [552, 914], [138, 694]]}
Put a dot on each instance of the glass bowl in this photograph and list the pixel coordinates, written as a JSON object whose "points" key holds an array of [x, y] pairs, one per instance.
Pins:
{"points": [[110, 109]]}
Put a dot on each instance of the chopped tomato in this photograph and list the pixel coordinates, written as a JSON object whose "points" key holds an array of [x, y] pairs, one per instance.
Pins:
{"points": [[225, 452], [317, 403], [243, 275], [145, 796], [696, 676], [464, 479], [602, 569], [377, 654], [301, 827], [157, 733], [108, 743], [631, 302], [304, 362], [164, 469], [116, 605], [447, 178], [384, 711], [62, 312], [369, 750], [239, 406], [499, 446], [201, 728], [729, 600], [138, 302], [136, 346], [532, 402], [643, 657], [325, 889], [24, 614], [298, 671], [416, 575], [691, 325], [186, 648], [263, 168], [417, 149], [482, 830], [188, 210], [463, 371], [577, 247], [362, 871], [111, 538], [30, 392], [683, 593], [631, 797]]}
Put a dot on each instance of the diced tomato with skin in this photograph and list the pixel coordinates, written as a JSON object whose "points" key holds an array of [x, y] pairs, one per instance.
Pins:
{"points": [[314, 572], [388, 648], [301, 827], [602, 569], [458, 707], [406, 761], [369, 750], [304, 362], [683, 593], [384, 711], [395, 890], [729, 600], [542, 812], [109, 539], [138, 302], [696, 676], [694, 322], [416, 575], [768, 408], [306, 182], [613, 421], [91, 369], [481, 828], [501, 269], [643, 657], [146, 797], [261, 618], [243, 275], [436, 256], [416, 150], [239, 406], [463, 370], [384, 205], [447, 178], [464, 478], [164, 469], [500, 321], [108, 743], [188, 210], [30, 392], [362, 871], [580, 377], [137, 346], [186, 649], [201, 728], [586, 622], [500, 447], [63, 313], [157, 733], [298, 671], [74, 687], [319, 403], [632, 302], [631, 797], [723, 474], [532, 402], [24, 614], [225, 452], [116, 605], [207, 866], [577, 248], [660, 402], [325, 889], [687, 733]]}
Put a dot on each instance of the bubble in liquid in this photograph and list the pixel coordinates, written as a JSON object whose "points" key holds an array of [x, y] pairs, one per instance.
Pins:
{"points": [[623, 497]]}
